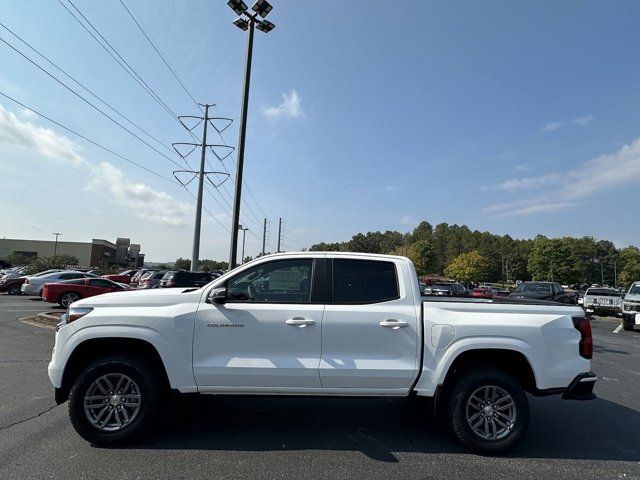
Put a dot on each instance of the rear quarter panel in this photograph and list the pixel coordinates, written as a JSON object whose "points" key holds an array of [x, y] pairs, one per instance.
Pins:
{"points": [[544, 334]]}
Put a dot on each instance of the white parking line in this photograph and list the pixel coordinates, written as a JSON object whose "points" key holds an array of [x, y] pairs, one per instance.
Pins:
{"points": [[618, 328]]}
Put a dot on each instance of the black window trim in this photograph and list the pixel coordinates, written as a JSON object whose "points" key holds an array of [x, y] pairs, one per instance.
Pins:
{"points": [[331, 283], [312, 286]]}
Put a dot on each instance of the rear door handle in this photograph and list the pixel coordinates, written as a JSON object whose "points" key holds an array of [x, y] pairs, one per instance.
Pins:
{"points": [[300, 322], [394, 324]]}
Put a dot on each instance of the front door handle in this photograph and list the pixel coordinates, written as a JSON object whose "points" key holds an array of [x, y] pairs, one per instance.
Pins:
{"points": [[300, 322], [395, 324]]}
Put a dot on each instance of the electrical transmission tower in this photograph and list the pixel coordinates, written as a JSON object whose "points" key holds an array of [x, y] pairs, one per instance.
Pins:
{"points": [[184, 149]]}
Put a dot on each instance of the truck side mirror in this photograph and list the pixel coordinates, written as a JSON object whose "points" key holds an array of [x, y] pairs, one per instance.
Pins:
{"points": [[218, 296]]}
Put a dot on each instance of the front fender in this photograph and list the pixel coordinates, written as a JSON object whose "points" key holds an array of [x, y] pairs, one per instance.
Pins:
{"points": [[175, 358]]}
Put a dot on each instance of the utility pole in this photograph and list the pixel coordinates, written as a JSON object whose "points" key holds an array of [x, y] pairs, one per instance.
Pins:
{"points": [[279, 233], [247, 22], [615, 273], [196, 233], [601, 274], [264, 237], [55, 245], [200, 173], [244, 232]]}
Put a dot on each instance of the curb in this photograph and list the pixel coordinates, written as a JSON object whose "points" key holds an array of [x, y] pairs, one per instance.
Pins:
{"points": [[43, 320]]}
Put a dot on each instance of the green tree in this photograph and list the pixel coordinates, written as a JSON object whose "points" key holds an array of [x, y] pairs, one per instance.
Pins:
{"points": [[45, 263], [207, 265], [326, 247], [422, 254], [18, 259], [468, 267], [182, 264], [629, 265]]}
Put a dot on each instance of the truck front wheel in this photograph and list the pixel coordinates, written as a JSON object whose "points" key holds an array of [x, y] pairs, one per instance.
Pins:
{"points": [[114, 401], [488, 411]]}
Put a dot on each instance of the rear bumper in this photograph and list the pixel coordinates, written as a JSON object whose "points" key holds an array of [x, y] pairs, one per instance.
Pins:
{"points": [[581, 388]]}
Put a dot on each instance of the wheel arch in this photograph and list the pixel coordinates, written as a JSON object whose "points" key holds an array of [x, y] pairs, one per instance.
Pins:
{"points": [[511, 361], [92, 349], [68, 291]]}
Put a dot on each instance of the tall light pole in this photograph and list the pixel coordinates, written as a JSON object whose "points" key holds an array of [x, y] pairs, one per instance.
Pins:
{"points": [[247, 22], [55, 245], [244, 232]]}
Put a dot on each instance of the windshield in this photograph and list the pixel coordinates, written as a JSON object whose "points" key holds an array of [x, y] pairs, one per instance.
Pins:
{"points": [[534, 287], [635, 289]]}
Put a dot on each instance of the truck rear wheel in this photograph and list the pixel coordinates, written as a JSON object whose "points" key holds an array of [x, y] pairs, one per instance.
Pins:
{"points": [[488, 411], [114, 401]]}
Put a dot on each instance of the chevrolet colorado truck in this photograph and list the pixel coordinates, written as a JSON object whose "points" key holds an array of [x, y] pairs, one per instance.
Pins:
{"points": [[318, 324]]}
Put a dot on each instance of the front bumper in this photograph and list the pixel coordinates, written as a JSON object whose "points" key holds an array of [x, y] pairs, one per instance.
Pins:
{"points": [[581, 388], [630, 318], [29, 289]]}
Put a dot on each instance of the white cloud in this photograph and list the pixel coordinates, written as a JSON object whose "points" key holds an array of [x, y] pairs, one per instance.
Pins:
{"points": [[104, 178], [527, 183], [144, 202], [552, 126], [16, 132], [406, 220], [603, 173], [390, 188], [583, 120], [289, 108], [26, 113]]}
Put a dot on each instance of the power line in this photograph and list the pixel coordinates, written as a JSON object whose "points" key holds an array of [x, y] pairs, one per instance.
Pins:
{"points": [[81, 85], [184, 53], [175, 75], [116, 56], [86, 101], [107, 149], [93, 142]]}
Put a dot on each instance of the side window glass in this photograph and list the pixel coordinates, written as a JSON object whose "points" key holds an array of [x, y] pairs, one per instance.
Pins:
{"points": [[66, 276], [100, 283], [280, 281], [364, 281]]}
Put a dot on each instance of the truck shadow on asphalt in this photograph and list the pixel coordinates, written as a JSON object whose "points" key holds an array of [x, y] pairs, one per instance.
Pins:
{"points": [[383, 428]]}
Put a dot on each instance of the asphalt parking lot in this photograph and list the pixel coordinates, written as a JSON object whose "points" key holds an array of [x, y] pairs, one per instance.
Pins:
{"points": [[272, 438]]}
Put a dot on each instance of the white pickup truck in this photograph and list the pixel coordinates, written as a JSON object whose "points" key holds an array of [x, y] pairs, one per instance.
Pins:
{"points": [[312, 324]]}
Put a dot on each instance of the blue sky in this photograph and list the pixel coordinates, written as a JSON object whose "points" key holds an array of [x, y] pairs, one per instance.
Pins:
{"points": [[512, 117]]}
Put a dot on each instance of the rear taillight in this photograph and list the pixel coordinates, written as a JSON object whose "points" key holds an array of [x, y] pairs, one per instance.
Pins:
{"points": [[585, 347], [171, 284]]}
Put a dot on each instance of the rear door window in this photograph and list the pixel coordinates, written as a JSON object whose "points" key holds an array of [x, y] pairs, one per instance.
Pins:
{"points": [[364, 281]]}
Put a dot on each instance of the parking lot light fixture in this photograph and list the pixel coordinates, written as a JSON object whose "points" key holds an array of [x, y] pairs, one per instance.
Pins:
{"points": [[265, 26], [237, 6], [241, 23], [262, 8]]}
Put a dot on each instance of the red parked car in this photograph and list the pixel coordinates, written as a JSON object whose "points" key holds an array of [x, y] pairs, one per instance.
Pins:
{"points": [[122, 277], [482, 292], [67, 292]]}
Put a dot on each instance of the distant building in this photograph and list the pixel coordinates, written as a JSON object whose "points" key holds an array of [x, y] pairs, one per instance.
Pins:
{"points": [[88, 254]]}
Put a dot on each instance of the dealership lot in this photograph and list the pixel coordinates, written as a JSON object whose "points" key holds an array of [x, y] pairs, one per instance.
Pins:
{"points": [[312, 438]]}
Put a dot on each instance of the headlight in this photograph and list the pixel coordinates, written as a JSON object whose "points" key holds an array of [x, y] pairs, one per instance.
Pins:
{"points": [[74, 313]]}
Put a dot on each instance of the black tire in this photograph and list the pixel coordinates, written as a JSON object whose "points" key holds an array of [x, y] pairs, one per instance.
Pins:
{"points": [[464, 388], [67, 298], [150, 390], [627, 326], [14, 289]]}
